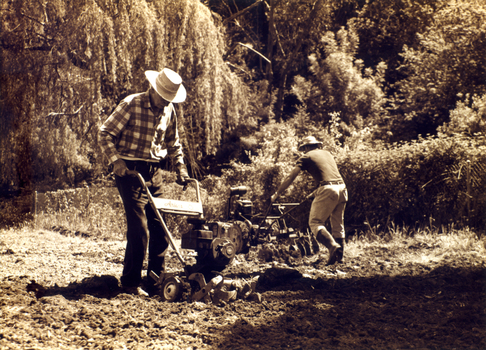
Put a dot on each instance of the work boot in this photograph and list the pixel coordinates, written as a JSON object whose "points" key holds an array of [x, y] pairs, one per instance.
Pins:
{"points": [[340, 251], [328, 241]]}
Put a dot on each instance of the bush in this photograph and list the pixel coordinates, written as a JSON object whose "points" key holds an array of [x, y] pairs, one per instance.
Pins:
{"points": [[418, 183], [15, 209]]}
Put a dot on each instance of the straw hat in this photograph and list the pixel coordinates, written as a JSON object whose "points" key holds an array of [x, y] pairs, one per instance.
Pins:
{"points": [[168, 84], [309, 140]]}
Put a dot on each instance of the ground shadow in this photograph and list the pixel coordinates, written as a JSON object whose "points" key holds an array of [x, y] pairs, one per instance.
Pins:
{"points": [[442, 309], [104, 286]]}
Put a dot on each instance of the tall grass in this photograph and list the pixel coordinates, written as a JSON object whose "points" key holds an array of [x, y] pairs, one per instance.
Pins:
{"points": [[99, 215], [426, 246]]}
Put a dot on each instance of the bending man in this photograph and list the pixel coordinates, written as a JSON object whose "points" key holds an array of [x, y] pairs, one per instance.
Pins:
{"points": [[330, 197]]}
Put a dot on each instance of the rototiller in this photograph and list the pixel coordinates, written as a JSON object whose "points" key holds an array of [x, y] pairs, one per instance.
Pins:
{"points": [[216, 243]]}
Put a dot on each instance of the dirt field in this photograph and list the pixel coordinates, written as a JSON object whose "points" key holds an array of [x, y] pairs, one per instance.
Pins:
{"points": [[61, 292]]}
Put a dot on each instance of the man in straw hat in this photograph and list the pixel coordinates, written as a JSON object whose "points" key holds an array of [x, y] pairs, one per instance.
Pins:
{"points": [[330, 197], [139, 135]]}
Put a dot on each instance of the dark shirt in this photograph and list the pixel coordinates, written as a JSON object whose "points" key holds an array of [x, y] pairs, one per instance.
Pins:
{"points": [[321, 165]]}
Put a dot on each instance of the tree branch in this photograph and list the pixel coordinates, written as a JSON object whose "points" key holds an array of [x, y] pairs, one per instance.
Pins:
{"points": [[11, 31], [32, 19], [52, 114], [239, 13], [235, 67], [290, 59], [255, 51]]}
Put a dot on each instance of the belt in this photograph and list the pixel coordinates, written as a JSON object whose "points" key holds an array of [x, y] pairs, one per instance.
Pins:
{"points": [[325, 183], [143, 167]]}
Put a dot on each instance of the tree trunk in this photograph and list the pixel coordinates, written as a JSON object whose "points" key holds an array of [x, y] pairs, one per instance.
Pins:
{"points": [[270, 42], [290, 59]]}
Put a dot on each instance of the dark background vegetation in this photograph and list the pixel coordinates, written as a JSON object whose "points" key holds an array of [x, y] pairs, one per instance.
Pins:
{"points": [[395, 89]]}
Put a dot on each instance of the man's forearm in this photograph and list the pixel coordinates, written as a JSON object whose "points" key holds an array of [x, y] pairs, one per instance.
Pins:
{"points": [[288, 181], [283, 186]]}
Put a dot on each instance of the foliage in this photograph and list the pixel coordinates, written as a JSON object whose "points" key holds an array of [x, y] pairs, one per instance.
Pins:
{"points": [[65, 65], [15, 210], [410, 184], [469, 117], [384, 27], [340, 85], [277, 38], [445, 65]]}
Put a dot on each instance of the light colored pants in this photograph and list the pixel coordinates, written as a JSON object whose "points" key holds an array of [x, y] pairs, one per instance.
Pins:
{"points": [[329, 202]]}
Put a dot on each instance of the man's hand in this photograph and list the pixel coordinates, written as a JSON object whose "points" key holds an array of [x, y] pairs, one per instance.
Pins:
{"points": [[182, 174], [273, 198], [120, 168]]}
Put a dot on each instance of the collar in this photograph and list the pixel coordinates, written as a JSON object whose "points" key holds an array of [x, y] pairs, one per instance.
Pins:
{"points": [[146, 100], [148, 105]]}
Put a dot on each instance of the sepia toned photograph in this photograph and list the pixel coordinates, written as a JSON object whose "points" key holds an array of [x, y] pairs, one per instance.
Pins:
{"points": [[243, 174]]}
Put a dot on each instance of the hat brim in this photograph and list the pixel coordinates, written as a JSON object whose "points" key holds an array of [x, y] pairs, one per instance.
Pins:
{"points": [[180, 96], [308, 144]]}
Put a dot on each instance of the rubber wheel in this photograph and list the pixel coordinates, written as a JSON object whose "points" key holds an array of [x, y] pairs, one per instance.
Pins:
{"points": [[171, 289]]}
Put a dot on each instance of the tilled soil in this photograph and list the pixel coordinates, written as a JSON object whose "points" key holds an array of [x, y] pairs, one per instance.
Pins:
{"points": [[62, 292]]}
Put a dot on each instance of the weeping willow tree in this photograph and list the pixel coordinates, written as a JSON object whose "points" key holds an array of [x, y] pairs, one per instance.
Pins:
{"points": [[65, 65]]}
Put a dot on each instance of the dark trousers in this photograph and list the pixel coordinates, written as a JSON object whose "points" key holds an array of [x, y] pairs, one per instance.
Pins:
{"points": [[143, 227]]}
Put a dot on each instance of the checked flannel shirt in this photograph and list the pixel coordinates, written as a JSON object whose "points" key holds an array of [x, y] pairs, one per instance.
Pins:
{"points": [[135, 131]]}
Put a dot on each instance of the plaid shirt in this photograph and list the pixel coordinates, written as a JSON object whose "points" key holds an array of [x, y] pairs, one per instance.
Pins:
{"points": [[135, 131]]}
